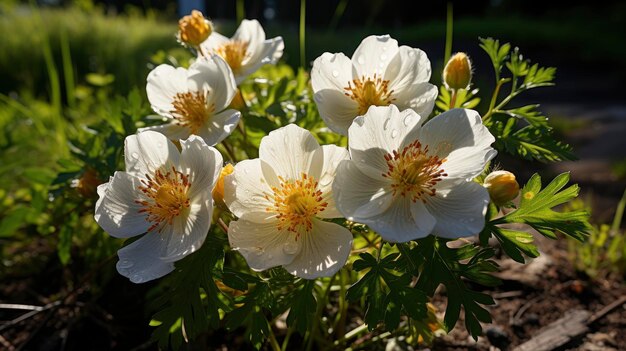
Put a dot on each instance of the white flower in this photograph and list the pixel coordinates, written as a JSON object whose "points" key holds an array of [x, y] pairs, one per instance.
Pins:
{"points": [[407, 180], [281, 198], [379, 74], [247, 50], [163, 193], [194, 100]]}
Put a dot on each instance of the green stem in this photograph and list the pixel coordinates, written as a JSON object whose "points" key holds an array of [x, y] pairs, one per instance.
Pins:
{"points": [[241, 10], [494, 98], [351, 334], [273, 341], [453, 99], [229, 150], [321, 303], [619, 213], [449, 29], [302, 33], [287, 337]]}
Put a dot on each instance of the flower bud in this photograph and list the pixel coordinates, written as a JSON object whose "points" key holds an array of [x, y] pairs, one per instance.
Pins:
{"points": [[194, 29], [88, 183], [458, 72], [218, 191], [502, 187]]}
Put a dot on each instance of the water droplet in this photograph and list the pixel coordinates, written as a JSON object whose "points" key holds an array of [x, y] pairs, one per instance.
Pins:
{"points": [[134, 155], [160, 145], [411, 53], [290, 248], [394, 133], [386, 124], [383, 57], [381, 65], [335, 73], [384, 48], [407, 120], [326, 179], [361, 60], [380, 202]]}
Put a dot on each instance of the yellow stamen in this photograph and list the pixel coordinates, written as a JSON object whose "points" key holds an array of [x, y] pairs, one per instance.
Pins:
{"points": [[191, 110], [414, 172], [296, 203], [167, 194], [233, 52], [369, 92]]}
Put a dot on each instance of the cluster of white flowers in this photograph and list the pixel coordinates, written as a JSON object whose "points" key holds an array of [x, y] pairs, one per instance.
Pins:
{"points": [[404, 176]]}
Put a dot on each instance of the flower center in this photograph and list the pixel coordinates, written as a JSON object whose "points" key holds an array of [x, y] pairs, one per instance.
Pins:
{"points": [[295, 203], [413, 172], [191, 110], [369, 92], [167, 194], [233, 53]]}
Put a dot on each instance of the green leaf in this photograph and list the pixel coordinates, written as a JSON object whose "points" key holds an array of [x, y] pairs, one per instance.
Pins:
{"points": [[14, 220], [497, 53], [530, 114], [530, 143], [64, 245], [184, 312], [442, 266], [536, 209], [303, 308]]}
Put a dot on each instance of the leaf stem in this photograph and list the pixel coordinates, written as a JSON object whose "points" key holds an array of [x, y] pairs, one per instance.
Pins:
{"points": [[302, 33], [494, 98], [449, 29]]}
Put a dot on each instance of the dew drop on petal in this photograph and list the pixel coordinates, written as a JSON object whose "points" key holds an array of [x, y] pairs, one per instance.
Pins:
{"points": [[361, 60], [384, 48], [134, 155], [326, 179], [335, 73], [383, 57], [411, 53], [407, 120], [290, 248], [394, 133], [386, 124]]}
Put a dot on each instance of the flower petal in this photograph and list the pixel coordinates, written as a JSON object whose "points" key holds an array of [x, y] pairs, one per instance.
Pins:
{"points": [[220, 126], [403, 221], [261, 244], [202, 163], [252, 32], [331, 71], [245, 190], [460, 137], [336, 109], [148, 151], [333, 155], [408, 67], [324, 251], [374, 54], [140, 260], [291, 151], [269, 52], [188, 230], [214, 41], [419, 97], [213, 74], [173, 131], [460, 212], [378, 133], [164, 82], [116, 210], [359, 196]]}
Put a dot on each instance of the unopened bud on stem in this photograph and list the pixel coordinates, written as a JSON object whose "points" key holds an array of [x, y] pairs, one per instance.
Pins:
{"points": [[194, 29], [458, 72], [218, 191], [502, 187]]}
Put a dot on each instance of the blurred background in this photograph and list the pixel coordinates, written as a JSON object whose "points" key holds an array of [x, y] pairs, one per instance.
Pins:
{"points": [[68, 64]]}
